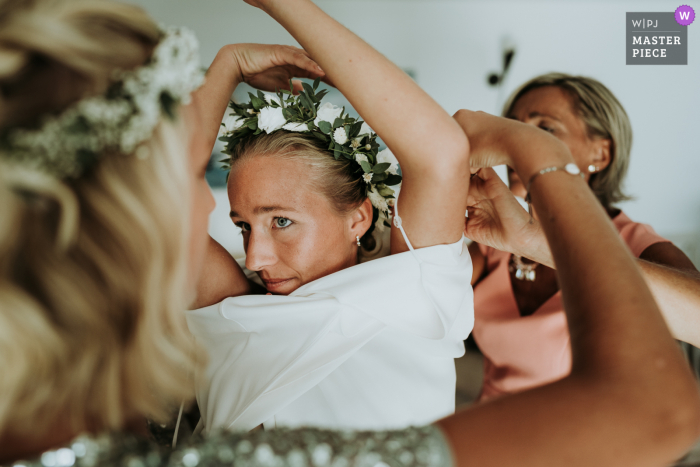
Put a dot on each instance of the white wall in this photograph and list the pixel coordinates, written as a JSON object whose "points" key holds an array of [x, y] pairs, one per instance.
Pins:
{"points": [[453, 45]]}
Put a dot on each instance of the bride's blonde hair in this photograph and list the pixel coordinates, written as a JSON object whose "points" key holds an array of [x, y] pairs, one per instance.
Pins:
{"points": [[92, 271]]}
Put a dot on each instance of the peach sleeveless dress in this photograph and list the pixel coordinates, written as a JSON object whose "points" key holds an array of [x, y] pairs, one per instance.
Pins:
{"points": [[521, 352]]}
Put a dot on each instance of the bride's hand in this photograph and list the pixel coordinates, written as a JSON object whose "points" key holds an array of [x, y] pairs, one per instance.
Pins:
{"points": [[496, 219], [270, 67]]}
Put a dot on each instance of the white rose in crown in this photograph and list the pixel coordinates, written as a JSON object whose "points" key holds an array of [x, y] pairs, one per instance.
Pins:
{"points": [[231, 123], [327, 113], [377, 200], [388, 156], [361, 158], [271, 119], [270, 98]]}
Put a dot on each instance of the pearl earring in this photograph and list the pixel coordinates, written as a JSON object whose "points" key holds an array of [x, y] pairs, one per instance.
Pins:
{"points": [[593, 168], [358, 240]]}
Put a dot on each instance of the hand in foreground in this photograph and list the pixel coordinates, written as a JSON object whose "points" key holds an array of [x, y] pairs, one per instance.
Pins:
{"points": [[270, 67], [487, 135], [496, 219]]}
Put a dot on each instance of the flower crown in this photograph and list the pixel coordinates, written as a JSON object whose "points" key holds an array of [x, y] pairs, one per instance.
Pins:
{"points": [[346, 137], [119, 121]]}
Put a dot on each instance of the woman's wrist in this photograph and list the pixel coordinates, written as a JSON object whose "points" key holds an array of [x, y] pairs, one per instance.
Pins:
{"points": [[227, 64], [535, 150], [532, 244]]}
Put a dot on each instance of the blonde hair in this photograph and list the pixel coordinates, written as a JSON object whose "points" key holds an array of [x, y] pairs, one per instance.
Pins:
{"points": [[92, 329], [603, 116], [338, 180]]}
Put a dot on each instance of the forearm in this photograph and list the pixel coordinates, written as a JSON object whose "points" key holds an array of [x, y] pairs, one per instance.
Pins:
{"points": [[678, 296], [221, 277], [677, 293], [213, 97], [406, 118], [628, 383]]}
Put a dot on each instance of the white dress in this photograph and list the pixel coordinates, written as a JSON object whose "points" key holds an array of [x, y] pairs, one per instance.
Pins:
{"points": [[368, 347]]}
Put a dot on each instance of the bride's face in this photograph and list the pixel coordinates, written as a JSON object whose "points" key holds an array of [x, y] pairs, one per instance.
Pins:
{"points": [[291, 234]]}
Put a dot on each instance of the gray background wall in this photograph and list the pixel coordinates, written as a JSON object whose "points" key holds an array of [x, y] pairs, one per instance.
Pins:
{"points": [[451, 46]]}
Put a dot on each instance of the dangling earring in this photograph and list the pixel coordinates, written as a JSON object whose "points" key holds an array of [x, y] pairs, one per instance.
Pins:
{"points": [[593, 168], [358, 240]]}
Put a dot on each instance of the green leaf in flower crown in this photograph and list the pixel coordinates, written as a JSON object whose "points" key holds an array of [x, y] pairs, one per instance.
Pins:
{"points": [[325, 127], [320, 136], [355, 129], [321, 94], [392, 180], [288, 113], [338, 123], [309, 90], [317, 81], [286, 91], [257, 102], [337, 153], [253, 125], [347, 131], [379, 168], [365, 166], [306, 102], [258, 131], [379, 177], [385, 190]]}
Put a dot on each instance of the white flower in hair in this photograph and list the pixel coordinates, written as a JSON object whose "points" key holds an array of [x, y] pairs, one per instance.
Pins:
{"points": [[271, 119], [367, 178], [379, 225], [270, 98], [388, 156], [355, 143], [377, 200], [231, 123], [340, 136], [365, 129], [327, 113], [361, 158], [298, 127]]}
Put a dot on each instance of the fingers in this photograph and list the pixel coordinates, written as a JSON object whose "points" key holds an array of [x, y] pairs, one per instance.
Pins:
{"points": [[288, 55]]}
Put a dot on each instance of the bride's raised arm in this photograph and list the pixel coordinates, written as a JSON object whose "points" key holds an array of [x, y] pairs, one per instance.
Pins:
{"points": [[266, 67], [430, 146]]}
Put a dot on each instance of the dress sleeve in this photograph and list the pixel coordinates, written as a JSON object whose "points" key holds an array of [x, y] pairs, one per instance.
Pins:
{"points": [[413, 447]]}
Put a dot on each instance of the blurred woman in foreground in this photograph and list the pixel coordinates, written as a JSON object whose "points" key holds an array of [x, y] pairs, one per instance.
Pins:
{"points": [[100, 246]]}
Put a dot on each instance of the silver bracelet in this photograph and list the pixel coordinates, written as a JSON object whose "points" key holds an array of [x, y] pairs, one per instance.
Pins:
{"points": [[570, 168]]}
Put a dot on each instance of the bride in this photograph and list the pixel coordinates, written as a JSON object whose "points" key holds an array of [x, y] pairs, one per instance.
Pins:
{"points": [[335, 343]]}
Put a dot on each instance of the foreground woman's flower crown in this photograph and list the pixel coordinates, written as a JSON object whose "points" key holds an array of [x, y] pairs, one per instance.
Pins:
{"points": [[345, 136], [118, 122]]}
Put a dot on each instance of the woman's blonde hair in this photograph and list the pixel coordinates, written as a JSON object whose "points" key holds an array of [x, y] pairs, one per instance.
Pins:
{"points": [[92, 270], [604, 117], [337, 179]]}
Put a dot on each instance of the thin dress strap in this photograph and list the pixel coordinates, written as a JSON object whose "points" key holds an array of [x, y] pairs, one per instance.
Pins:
{"points": [[399, 224]]}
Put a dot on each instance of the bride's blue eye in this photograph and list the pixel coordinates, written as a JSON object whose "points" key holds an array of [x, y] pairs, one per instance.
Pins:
{"points": [[245, 227], [282, 222]]}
